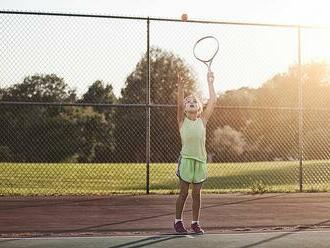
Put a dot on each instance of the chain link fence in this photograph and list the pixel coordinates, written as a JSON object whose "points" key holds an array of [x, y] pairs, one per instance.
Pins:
{"points": [[88, 105]]}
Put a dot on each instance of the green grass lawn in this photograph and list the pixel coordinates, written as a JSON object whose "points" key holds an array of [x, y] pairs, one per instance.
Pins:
{"points": [[101, 179]]}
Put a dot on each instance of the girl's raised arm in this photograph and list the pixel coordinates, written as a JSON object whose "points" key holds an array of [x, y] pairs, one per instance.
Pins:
{"points": [[211, 103], [180, 99]]}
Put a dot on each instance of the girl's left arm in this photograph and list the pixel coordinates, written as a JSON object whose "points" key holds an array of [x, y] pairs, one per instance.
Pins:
{"points": [[211, 102]]}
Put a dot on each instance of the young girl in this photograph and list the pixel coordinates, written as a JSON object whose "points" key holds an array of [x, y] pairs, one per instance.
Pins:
{"points": [[192, 162]]}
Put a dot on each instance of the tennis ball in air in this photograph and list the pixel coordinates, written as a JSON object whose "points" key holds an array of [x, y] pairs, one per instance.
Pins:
{"points": [[184, 17]]}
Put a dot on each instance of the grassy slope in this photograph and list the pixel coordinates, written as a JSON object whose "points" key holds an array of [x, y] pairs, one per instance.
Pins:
{"points": [[77, 179]]}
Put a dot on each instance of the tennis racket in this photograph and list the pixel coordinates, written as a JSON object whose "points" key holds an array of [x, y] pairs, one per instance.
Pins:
{"points": [[205, 49]]}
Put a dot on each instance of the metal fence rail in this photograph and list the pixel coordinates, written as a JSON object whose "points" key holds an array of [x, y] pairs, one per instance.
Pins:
{"points": [[88, 104]]}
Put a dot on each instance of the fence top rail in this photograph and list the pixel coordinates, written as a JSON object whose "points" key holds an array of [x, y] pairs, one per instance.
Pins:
{"points": [[163, 19], [153, 105]]}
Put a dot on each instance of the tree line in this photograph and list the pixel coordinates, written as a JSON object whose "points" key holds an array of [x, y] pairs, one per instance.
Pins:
{"points": [[249, 124]]}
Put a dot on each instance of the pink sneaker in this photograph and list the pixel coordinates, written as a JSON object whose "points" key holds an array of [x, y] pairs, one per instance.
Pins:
{"points": [[197, 228], [179, 228]]}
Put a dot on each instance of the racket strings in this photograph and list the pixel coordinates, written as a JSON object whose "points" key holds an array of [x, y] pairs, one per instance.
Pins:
{"points": [[206, 48]]}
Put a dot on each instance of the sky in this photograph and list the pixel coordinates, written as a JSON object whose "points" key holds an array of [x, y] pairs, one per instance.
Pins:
{"points": [[248, 56]]}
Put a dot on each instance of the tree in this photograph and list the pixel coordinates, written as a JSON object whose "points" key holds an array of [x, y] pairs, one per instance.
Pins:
{"points": [[55, 133], [274, 131], [27, 127], [102, 94], [39, 88], [268, 122], [229, 144], [232, 116], [98, 141], [130, 122], [97, 138], [93, 135]]}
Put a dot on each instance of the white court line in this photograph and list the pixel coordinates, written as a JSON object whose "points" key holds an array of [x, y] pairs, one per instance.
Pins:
{"points": [[274, 232], [160, 236]]}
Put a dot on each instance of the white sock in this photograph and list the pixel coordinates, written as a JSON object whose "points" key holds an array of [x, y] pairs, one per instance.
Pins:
{"points": [[195, 221], [177, 220]]}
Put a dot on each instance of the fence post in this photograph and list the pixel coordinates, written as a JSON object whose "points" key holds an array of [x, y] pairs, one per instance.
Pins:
{"points": [[300, 128], [148, 110]]}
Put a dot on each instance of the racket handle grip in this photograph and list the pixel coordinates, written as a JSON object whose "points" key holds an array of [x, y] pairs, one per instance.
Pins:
{"points": [[210, 77]]}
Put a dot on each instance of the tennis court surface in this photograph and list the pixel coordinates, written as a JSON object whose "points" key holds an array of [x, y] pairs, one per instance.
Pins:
{"points": [[233, 220]]}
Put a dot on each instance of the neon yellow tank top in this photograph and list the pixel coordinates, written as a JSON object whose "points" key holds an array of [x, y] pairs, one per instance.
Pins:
{"points": [[193, 136]]}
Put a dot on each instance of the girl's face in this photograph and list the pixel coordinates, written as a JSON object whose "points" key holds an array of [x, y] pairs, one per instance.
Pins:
{"points": [[191, 104]]}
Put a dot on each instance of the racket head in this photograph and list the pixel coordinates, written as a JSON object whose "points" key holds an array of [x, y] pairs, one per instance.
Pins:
{"points": [[205, 49]]}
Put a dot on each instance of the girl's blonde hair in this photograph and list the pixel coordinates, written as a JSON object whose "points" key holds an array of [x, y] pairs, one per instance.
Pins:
{"points": [[199, 102]]}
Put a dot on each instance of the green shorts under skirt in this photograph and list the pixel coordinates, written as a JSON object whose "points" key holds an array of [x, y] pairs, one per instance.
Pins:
{"points": [[191, 170]]}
